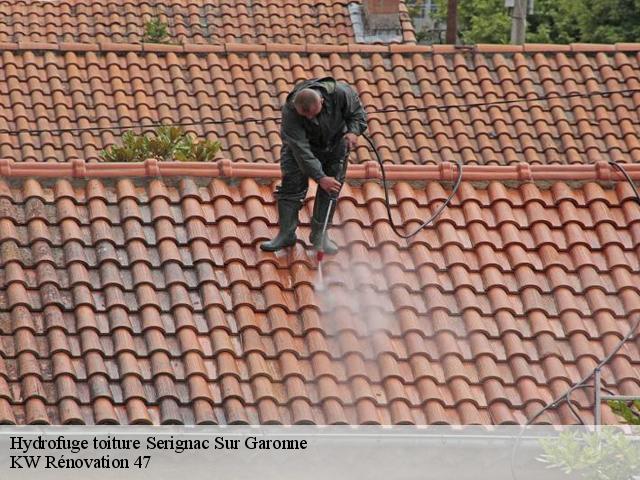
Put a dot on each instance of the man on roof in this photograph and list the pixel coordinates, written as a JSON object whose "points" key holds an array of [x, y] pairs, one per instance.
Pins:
{"points": [[321, 121]]}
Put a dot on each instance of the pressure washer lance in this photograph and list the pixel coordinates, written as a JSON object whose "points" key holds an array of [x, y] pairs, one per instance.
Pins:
{"points": [[320, 252], [387, 201], [333, 198]]}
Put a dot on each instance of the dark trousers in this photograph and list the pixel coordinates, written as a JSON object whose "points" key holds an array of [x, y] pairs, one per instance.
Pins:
{"points": [[295, 183]]}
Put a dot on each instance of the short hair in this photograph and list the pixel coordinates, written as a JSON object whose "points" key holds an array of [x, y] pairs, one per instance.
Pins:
{"points": [[306, 99]]}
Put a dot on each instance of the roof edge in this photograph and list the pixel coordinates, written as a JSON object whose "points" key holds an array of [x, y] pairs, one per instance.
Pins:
{"points": [[446, 171], [228, 48]]}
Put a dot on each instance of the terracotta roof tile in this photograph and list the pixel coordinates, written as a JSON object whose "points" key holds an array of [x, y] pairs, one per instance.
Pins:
{"points": [[149, 302], [192, 22], [117, 88]]}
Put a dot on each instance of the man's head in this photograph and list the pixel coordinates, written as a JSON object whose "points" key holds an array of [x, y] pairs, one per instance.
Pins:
{"points": [[308, 103]]}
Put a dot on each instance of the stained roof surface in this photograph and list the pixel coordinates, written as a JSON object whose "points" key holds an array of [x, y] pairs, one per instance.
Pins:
{"points": [[43, 90], [188, 21], [137, 293], [149, 301]]}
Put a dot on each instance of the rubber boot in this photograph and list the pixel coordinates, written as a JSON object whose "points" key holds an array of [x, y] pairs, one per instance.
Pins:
{"points": [[288, 218], [320, 207]]}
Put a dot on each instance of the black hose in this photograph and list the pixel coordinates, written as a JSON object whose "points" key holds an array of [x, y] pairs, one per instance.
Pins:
{"points": [[395, 229]]}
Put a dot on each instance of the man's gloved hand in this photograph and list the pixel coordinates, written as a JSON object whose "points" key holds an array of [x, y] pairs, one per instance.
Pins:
{"points": [[351, 139], [330, 185]]}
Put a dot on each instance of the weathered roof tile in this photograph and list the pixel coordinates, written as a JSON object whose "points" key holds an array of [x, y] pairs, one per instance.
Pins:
{"points": [[436, 339], [579, 126]]}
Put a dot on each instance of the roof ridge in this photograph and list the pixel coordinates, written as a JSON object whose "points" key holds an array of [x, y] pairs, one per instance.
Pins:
{"points": [[446, 171], [314, 47]]}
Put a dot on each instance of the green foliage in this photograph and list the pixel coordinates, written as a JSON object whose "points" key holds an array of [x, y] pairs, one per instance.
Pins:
{"points": [[479, 21], [612, 21], [422, 35], [553, 21], [133, 149], [628, 411], [165, 144], [605, 455], [156, 31], [203, 152], [414, 10]]}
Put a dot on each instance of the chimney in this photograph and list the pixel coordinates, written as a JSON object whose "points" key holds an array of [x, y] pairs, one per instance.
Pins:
{"points": [[382, 14]]}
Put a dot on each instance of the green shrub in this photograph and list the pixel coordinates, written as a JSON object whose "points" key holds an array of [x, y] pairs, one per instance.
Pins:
{"points": [[605, 455], [165, 144], [156, 31], [628, 411]]}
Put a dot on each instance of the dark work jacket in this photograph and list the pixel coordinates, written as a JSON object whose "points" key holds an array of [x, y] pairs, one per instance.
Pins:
{"points": [[341, 113]]}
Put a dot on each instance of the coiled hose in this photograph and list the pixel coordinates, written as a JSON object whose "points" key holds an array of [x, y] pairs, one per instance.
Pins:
{"points": [[424, 224]]}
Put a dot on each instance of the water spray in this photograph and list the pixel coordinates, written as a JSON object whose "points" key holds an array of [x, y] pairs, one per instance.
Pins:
{"points": [[320, 252]]}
